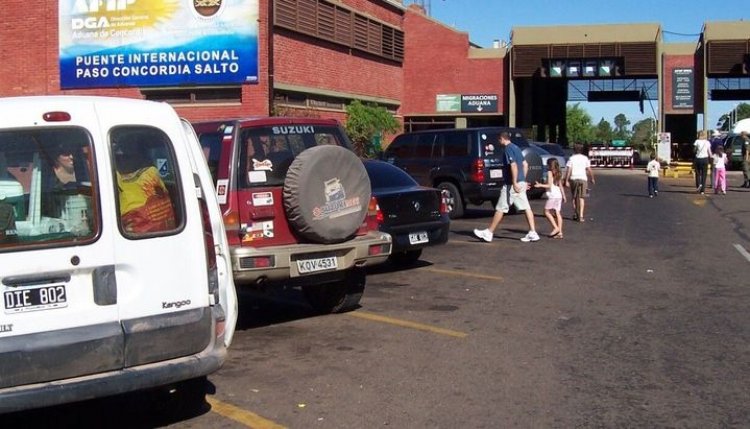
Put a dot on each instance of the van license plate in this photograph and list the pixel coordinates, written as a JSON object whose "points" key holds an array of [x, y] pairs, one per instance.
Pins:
{"points": [[496, 174], [36, 298], [418, 238], [305, 266]]}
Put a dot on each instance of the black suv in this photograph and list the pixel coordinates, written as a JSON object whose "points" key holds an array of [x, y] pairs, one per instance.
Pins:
{"points": [[465, 163]]}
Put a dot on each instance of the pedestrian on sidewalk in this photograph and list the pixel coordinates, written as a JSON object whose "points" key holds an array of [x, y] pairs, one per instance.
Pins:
{"points": [[702, 155], [720, 171], [577, 173], [653, 169], [513, 191], [555, 197]]}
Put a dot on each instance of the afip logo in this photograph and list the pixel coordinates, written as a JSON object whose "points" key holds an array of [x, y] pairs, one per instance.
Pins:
{"points": [[207, 8]]}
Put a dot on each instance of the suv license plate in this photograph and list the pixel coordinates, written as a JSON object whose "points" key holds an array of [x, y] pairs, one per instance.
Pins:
{"points": [[418, 238], [36, 298], [305, 266], [496, 174]]}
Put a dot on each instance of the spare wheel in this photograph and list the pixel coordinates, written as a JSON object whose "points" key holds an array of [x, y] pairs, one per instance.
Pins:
{"points": [[326, 194]]}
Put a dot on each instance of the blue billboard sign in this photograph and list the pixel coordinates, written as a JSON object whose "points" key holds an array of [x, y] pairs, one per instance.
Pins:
{"points": [[121, 43]]}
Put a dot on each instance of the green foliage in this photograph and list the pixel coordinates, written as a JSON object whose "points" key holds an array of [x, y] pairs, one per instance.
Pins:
{"points": [[603, 132], [621, 128], [365, 126], [579, 125], [643, 137]]}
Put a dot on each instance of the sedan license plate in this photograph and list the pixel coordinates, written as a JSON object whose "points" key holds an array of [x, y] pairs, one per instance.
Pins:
{"points": [[35, 298], [305, 266], [496, 174], [418, 238]]}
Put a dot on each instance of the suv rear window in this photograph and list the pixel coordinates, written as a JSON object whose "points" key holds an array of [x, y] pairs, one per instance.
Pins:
{"points": [[47, 196]]}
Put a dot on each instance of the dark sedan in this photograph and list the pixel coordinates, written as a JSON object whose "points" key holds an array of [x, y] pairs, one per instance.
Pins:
{"points": [[415, 216]]}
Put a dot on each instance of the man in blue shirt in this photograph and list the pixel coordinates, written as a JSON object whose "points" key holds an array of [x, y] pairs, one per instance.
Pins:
{"points": [[513, 192]]}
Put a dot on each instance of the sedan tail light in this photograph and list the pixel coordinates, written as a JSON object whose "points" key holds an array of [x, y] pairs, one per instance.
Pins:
{"points": [[375, 216]]}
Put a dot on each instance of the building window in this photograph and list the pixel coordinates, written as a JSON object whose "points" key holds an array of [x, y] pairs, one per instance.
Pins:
{"points": [[194, 95], [340, 25], [317, 102]]}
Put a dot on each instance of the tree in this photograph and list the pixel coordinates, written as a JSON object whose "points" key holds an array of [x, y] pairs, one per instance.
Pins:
{"points": [[603, 132], [367, 122], [579, 125], [643, 135], [621, 127]]}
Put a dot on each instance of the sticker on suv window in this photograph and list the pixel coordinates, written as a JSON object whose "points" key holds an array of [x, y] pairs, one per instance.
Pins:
{"points": [[294, 129]]}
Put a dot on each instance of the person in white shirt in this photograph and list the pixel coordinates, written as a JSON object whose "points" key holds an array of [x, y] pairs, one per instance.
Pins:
{"points": [[652, 169], [720, 171], [577, 173], [702, 155]]}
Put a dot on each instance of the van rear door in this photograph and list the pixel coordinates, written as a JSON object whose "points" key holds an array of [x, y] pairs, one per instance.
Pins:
{"points": [[218, 236], [60, 299], [162, 277]]}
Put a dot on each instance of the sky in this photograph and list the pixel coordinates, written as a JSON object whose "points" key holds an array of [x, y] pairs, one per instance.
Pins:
{"points": [[681, 22]]}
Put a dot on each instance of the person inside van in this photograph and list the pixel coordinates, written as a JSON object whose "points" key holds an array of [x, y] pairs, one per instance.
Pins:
{"points": [[145, 204], [63, 167]]}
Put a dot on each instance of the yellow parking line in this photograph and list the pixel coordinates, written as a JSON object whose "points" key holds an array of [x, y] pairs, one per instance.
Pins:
{"points": [[700, 202], [239, 415], [407, 324], [462, 273]]}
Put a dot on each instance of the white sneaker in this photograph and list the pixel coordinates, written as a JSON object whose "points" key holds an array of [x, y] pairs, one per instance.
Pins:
{"points": [[484, 234], [531, 236]]}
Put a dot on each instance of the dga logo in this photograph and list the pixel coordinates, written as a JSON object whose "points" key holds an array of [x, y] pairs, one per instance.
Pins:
{"points": [[207, 8]]}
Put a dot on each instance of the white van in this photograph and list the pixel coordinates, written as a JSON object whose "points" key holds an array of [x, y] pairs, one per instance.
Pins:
{"points": [[114, 265]]}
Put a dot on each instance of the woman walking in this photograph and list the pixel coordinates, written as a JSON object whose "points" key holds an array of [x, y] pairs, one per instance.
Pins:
{"points": [[702, 155]]}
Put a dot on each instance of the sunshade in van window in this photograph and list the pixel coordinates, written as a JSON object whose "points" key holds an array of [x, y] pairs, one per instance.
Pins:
{"points": [[47, 195], [148, 190], [267, 152]]}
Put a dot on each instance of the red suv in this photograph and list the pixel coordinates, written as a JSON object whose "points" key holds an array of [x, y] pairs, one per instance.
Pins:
{"points": [[297, 206]]}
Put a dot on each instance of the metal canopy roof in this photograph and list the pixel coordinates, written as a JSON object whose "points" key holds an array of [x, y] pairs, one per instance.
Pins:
{"points": [[586, 34]]}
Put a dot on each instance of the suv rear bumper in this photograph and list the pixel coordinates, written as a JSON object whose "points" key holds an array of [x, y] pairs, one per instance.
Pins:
{"points": [[481, 191], [351, 253]]}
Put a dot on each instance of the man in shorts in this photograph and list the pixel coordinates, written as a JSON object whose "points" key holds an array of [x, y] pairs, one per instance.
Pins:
{"points": [[513, 192], [577, 173]]}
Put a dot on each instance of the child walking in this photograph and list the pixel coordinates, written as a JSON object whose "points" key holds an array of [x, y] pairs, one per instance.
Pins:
{"points": [[720, 170], [652, 169], [555, 197]]}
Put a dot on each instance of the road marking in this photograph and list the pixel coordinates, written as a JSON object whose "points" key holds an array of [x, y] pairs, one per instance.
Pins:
{"points": [[700, 202], [462, 273], [742, 251], [407, 324], [239, 415]]}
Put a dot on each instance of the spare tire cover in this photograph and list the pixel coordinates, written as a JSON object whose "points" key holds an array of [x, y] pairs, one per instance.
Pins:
{"points": [[326, 194]]}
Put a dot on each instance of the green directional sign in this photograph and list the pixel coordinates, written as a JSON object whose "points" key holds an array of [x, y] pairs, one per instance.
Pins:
{"points": [[619, 143]]}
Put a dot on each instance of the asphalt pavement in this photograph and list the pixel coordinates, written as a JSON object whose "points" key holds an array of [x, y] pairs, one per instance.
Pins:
{"points": [[639, 317]]}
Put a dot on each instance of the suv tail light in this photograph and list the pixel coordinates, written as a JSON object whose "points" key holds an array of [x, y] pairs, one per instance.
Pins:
{"points": [[444, 196], [477, 171]]}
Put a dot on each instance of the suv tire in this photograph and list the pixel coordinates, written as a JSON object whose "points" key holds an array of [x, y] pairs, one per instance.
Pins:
{"points": [[338, 296], [326, 194], [453, 199]]}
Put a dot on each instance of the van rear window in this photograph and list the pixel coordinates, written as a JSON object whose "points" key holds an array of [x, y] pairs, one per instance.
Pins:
{"points": [[47, 195]]}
